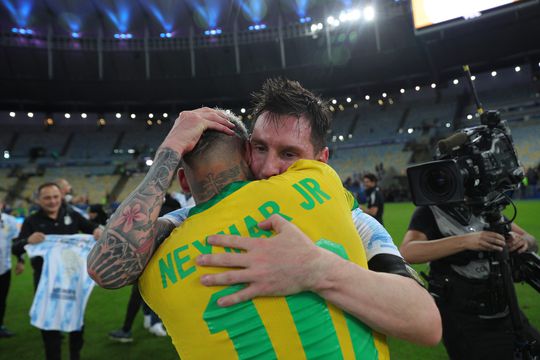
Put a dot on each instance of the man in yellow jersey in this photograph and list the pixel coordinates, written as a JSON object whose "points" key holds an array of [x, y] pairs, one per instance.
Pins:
{"points": [[308, 195]]}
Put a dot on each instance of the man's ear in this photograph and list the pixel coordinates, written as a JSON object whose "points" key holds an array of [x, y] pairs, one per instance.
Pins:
{"points": [[247, 152], [323, 155], [183, 181]]}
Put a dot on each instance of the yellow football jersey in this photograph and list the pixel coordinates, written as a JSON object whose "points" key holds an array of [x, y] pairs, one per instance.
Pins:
{"points": [[301, 326]]}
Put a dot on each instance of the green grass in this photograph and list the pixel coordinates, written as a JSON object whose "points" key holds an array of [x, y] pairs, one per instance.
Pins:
{"points": [[106, 310]]}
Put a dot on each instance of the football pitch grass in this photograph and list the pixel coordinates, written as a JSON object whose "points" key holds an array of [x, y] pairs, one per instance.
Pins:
{"points": [[106, 310]]}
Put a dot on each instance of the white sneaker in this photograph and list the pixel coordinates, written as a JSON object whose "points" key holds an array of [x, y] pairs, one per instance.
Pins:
{"points": [[147, 321], [158, 329]]}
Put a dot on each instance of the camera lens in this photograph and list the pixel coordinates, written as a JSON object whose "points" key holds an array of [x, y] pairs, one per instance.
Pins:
{"points": [[439, 183]]}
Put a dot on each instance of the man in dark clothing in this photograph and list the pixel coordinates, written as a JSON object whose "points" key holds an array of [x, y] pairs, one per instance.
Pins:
{"points": [[375, 200], [475, 315], [53, 217]]}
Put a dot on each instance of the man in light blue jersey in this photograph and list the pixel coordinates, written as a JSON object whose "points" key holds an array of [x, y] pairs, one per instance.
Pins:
{"points": [[8, 231]]}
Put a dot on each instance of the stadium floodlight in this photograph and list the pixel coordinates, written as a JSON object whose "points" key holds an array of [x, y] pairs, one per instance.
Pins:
{"points": [[257, 27], [133, 116], [448, 125], [417, 88], [366, 97], [369, 13], [305, 19], [213, 32], [333, 21], [101, 122], [158, 121], [410, 130], [473, 78], [6, 154], [334, 138], [131, 151], [456, 81], [517, 69], [469, 117], [341, 138], [350, 15], [67, 115], [433, 85], [149, 122], [151, 116], [348, 99], [493, 73], [380, 102], [75, 35], [402, 91], [15, 30], [118, 115], [316, 27], [243, 111], [165, 35], [30, 114], [12, 114], [384, 95], [334, 101], [149, 162], [332, 108], [83, 115], [350, 136], [165, 115], [355, 106]]}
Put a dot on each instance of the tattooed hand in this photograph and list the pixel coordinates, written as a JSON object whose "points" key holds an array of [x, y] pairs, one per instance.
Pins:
{"points": [[190, 125]]}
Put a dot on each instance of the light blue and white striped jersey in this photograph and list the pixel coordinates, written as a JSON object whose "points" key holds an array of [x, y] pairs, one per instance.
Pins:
{"points": [[9, 231], [374, 236], [64, 286]]}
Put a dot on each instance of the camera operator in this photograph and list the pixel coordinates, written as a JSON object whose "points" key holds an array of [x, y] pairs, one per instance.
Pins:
{"points": [[476, 322]]}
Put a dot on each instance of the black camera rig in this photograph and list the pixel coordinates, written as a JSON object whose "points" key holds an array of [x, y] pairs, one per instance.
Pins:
{"points": [[477, 167]]}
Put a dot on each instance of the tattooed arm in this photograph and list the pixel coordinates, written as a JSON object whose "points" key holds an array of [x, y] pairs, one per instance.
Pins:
{"points": [[134, 231]]}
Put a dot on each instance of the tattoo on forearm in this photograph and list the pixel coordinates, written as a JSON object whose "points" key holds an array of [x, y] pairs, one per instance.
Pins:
{"points": [[133, 232]]}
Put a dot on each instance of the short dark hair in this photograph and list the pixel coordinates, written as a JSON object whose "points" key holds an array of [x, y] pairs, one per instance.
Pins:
{"points": [[286, 97], [47, 184], [370, 177], [209, 138]]}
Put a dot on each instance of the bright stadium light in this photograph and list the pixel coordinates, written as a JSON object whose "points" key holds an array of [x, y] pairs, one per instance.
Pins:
{"points": [[350, 15], [12, 114], [118, 115], [366, 97], [83, 115], [133, 116], [433, 85], [448, 125], [75, 35], [417, 88], [517, 69], [151, 116], [333, 21], [149, 162], [30, 114], [473, 78], [456, 81], [402, 91], [67, 115], [469, 117], [369, 13], [410, 130], [340, 137], [165, 115], [493, 73], [348, 99], [334, 101], [384, 95], [6, 154], [243, 111]]}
